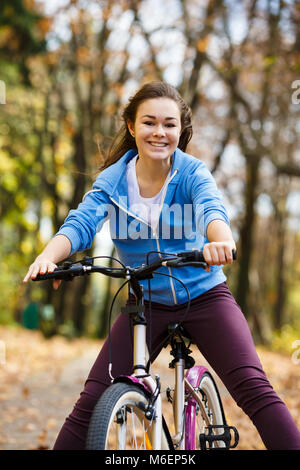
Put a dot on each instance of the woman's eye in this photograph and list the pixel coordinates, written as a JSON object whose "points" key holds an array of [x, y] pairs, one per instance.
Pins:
{"points": [[150, 123]]}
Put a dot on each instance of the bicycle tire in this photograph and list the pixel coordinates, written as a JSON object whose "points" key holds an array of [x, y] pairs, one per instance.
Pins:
{"points": [[195, 423], [119, 407]]}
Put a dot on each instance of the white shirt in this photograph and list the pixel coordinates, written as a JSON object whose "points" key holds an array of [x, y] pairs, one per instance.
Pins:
{"points": [[148, 208]]}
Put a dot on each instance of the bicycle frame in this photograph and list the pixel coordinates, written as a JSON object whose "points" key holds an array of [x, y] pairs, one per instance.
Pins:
{"points": [[183, 384]]}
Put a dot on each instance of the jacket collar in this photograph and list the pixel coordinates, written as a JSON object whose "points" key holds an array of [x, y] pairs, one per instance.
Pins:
{"points": [[112, 180]]}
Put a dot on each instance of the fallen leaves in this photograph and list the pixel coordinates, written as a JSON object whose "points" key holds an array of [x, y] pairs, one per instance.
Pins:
{"points": [[28, 386], [28, 353]]}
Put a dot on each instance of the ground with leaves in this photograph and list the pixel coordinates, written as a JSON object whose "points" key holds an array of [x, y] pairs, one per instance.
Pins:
{"points": [[41, 379]]}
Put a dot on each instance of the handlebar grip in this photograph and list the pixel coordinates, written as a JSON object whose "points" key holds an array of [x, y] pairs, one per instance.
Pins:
{"points": [[193, 255], [66, 274], [197, 255], [54, 275]]}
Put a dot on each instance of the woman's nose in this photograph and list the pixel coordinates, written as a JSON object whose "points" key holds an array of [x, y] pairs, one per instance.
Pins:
{"points": [[158, 131]]}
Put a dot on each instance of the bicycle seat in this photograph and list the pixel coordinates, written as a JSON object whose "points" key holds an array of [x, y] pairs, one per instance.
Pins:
{"points": [[174, 327]]}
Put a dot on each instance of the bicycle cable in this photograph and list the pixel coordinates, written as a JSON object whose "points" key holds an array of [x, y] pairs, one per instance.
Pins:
{"points": [[151, 353], [184, 317], [112, 304], [97, 257], [111, 307], [109, 328], [150, 301]]}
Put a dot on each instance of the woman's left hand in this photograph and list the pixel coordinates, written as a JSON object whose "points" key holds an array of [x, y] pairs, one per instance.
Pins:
{"points": [[218, 253]]}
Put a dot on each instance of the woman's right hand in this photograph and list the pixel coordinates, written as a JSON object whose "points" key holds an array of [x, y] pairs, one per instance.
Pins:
{"points": [[42, 265]]}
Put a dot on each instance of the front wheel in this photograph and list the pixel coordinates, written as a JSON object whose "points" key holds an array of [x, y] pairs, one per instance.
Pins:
{"points": [[200, 415], [118, 421]]}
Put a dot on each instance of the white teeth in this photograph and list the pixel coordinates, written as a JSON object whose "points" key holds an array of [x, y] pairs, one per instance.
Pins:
{"points": [[158, 145]]}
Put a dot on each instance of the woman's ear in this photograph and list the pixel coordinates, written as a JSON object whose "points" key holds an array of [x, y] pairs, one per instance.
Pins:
{"points": [[130, 128]]}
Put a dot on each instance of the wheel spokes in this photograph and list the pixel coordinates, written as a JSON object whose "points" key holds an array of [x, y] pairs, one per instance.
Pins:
{"points": [[130, 429]]}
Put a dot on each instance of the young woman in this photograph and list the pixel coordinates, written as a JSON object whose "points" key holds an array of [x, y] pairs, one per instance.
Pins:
{"points": [[158, 197]]}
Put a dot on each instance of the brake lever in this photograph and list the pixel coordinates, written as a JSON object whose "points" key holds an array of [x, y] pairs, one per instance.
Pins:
{"points": [[180, 264], [196, 264]]}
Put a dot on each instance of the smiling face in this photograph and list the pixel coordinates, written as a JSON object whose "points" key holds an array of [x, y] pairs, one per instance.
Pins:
{"points": [[156, 128]]}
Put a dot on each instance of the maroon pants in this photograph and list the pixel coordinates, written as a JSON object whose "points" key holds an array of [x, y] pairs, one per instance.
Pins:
{"points": [[218, 327]]}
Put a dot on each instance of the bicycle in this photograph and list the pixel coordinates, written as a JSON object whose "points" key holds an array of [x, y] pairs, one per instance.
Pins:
{"points": [[129, 415]]}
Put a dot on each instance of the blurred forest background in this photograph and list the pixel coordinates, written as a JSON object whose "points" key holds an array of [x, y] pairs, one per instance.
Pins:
{"points": [[66, 69]]}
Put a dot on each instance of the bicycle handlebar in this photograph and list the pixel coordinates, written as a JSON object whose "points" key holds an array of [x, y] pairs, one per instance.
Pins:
{"points": [[70, 270]]}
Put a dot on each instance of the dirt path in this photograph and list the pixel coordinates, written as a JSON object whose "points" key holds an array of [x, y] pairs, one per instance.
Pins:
{"points": [[32, 417], [39, 386]]}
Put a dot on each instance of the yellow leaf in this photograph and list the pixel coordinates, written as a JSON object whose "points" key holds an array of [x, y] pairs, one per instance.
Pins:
{"points": [[202, 44], [44, 24]]}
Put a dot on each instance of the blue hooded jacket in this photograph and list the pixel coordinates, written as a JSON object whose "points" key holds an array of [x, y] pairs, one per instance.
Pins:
{"points": [[190, 202]]}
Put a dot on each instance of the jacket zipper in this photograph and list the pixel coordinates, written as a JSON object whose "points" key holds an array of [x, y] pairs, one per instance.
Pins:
{"points": [[155, 229], [157, 240]]}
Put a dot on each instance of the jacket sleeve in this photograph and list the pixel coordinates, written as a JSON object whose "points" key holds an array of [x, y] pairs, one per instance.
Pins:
{"points": [[82, 224], [206, 199]]}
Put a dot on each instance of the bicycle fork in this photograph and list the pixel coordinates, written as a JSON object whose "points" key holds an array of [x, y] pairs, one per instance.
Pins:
{"points": [[179, 405], [154, 412]]}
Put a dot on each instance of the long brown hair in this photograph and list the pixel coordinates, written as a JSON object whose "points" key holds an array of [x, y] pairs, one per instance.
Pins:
{"points": [[124, 141]]}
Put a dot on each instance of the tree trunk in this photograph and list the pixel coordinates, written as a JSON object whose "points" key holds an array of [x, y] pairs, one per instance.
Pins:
{"points": [[280, 263], [104, 314], [281, 297], [59, 301], [80, 307], [246, 233], [79, 304], [80, 164]]}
